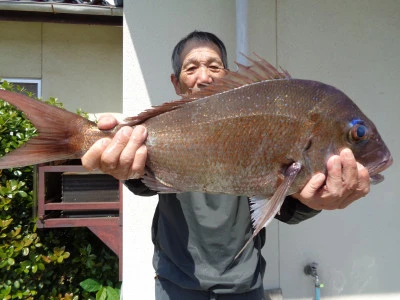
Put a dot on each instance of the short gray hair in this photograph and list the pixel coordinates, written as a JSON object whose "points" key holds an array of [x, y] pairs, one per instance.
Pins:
{"points": [[200, 36]]}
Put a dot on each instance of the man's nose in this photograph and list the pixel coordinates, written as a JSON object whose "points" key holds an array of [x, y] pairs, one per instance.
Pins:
{"points": [[204, 76]]}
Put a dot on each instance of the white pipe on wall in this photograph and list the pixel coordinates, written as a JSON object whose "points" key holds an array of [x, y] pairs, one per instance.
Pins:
{"points": [[242, 43]]}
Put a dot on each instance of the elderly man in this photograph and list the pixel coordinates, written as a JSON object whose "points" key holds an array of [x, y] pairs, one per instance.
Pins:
{"points": [[197, 235]]}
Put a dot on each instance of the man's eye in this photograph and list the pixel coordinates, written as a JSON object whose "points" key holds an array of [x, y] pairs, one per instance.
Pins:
{"points": [[191, 69], [215, 68]]}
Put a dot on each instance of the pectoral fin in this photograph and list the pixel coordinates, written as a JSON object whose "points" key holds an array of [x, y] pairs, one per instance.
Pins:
{"points": [[157, 185], [263, 211]]}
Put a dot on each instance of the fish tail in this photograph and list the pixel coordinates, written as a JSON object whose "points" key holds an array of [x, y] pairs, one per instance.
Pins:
{"points": [[60, 133]]}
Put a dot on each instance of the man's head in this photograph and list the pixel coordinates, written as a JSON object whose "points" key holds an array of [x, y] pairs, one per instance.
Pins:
{"points": [[196, 60]]}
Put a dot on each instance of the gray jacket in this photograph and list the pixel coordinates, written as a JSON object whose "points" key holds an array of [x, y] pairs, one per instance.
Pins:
{"points": [[197, 235]]}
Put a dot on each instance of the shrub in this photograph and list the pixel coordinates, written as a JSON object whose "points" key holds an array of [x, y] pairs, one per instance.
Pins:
{"points": [[43, 263]]}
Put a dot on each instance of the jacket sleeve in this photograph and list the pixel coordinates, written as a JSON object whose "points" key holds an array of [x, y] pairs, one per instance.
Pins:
{"points": [[137, 187], [293, 211]]}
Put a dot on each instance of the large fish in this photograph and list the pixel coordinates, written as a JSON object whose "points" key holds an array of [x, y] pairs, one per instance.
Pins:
{"points": [[257, 132]]}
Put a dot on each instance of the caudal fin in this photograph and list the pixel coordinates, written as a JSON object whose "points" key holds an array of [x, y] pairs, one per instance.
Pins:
{"points": [[59, 133]]}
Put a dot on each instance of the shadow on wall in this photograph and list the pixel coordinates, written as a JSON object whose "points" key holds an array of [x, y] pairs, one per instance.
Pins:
{"points": [[154, 44]]}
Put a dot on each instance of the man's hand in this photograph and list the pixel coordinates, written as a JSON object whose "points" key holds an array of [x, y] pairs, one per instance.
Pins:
{"points": [[123, 156], [347, 181]]}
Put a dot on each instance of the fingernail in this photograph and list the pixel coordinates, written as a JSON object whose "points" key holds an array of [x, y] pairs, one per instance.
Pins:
{"points": [[346, 152], [335, 159], [126, 130], [321, 178], [135, 176], [104, 141], [140, 131]]}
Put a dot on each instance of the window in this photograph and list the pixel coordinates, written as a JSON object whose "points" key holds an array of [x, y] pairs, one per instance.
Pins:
{"points": [[31, 85]]}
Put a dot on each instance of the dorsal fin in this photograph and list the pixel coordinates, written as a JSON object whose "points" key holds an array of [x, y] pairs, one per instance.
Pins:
{"points": [[260, 70], [155, 111]]}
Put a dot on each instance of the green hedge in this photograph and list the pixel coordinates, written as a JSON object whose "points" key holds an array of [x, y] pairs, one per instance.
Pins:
{"points": [[70, 263]]}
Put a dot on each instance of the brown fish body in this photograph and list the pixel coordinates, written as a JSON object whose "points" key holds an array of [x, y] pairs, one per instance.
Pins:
{"points": [[241, 142], [249, 134]]}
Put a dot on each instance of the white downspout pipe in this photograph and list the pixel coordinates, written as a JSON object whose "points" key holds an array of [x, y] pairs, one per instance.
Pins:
{"points": [[242, 42]]}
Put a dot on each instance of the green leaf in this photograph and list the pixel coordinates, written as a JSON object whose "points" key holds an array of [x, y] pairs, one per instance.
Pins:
{"points": [[34, 268], [6, 291], [22, 194], [25, 251], [17, 284], [41, 266], [101, 294], [10, 261], [91, 285], [58, 251], [26, 264], [112, 294]]}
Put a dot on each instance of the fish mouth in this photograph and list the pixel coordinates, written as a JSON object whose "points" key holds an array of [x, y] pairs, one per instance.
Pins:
{"points": [[375, 170]]}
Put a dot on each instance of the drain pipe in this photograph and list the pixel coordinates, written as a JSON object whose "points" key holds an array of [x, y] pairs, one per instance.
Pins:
{"points": [[242, 42]]}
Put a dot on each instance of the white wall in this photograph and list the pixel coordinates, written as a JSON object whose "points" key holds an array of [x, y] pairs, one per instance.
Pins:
{"points": [[151, 30], [353, 45]]}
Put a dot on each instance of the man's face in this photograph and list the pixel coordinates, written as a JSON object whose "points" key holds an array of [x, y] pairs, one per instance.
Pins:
{"points": [[201, 62]]}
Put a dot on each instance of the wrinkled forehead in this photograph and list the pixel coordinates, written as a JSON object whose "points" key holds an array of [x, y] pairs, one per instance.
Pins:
{"points": [[195, 50]]}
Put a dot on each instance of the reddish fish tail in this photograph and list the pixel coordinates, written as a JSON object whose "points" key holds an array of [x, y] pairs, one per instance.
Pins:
{"points": [[60, 133]]}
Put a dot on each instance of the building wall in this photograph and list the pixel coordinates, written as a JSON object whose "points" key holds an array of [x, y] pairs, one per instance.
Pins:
{"points": [[151, 30], [353, 45], [81, 65]]}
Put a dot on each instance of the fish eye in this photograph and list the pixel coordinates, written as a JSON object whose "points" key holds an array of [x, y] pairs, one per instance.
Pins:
{"points": [[361, 131], [358, 133]]}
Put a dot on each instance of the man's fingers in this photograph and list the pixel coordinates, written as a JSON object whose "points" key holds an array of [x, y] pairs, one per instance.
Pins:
{"points": [[110, 158], [362, 187], [346, 181], [349, 170], [309, 193], [312, 187], [107, 122], [364, 182], [133, 157], [334, 178], [91, 159], [123, 156], [342, 177], [139, 163]]}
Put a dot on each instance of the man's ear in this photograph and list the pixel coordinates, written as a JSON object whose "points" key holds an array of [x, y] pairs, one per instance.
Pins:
{"points": [[175, 82]]}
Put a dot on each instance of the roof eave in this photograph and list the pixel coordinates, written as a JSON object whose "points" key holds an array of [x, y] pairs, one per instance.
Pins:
{"points": [[61, 13]]}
